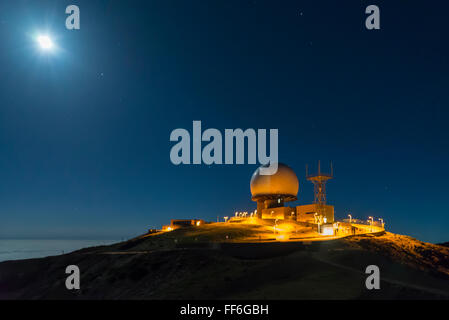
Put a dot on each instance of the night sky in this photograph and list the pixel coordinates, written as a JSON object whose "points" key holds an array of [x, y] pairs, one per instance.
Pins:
{"points": [[84, 130]]}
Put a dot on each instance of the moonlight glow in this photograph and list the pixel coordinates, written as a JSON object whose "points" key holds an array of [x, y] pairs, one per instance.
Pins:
{"points": [[45, 42]]}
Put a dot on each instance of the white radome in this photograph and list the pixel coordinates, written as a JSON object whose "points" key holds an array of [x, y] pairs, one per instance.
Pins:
{"points": [[283, 182]]}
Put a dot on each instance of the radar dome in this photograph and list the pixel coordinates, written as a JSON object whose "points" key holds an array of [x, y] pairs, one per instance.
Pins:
{"points": [[283, 183]]}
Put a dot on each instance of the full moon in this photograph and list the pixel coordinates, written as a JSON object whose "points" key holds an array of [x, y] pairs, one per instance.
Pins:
{"points": [[45, 42]]}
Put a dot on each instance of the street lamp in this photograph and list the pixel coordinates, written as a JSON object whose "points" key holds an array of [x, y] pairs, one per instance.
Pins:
{"points": [[225, 218], [372, 221], [350, 218], [382, 221]]}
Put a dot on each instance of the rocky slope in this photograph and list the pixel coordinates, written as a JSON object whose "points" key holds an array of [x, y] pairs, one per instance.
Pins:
{"points": [[188, 265]]}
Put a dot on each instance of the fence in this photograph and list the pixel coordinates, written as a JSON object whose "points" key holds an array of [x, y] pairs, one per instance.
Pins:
{"points": [[364, 222]]}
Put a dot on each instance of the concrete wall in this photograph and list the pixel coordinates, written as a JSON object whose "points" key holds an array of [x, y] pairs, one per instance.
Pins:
{"points": [[306, 213], [278, 213]]}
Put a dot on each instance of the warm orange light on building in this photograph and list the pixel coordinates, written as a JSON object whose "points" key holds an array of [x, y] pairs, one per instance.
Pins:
{"points": [[282, 237]]}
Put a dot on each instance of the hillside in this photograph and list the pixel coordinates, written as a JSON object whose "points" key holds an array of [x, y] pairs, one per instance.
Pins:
{"points": [[197, 263]]}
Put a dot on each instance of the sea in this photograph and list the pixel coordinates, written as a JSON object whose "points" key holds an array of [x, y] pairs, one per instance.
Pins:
{"points": [[28, 249]]}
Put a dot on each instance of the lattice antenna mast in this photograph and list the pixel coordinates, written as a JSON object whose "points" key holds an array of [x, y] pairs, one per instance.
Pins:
{"points": [[319, 181]]}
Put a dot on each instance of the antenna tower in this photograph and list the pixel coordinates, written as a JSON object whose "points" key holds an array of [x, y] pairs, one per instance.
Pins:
{"points": [[319, 181]]}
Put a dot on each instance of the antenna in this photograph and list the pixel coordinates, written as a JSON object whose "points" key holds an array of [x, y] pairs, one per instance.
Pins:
{"points": [[319, 185]]}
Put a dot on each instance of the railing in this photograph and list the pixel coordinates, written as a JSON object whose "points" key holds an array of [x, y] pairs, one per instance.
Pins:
{"points": [[364, 222]]}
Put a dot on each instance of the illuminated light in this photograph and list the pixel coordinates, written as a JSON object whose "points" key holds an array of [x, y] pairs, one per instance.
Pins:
{"points": [[198, 223], [371, 221], [282, 237], [45, 42], [169, 229], [327, 231]]}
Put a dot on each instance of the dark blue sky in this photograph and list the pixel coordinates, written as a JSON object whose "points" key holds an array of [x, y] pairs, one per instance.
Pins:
{"points": [[84, 133]]}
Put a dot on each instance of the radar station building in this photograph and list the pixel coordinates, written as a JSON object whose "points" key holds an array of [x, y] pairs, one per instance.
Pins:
{"points": [[271, 192]]}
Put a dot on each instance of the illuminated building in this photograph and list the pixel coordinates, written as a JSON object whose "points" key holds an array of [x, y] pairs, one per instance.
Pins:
{"points": [[272, 191], [306, 213], [180, 223]]}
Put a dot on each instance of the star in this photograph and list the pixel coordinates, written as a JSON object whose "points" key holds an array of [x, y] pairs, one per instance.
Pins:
{"points": [[45, 42]]}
